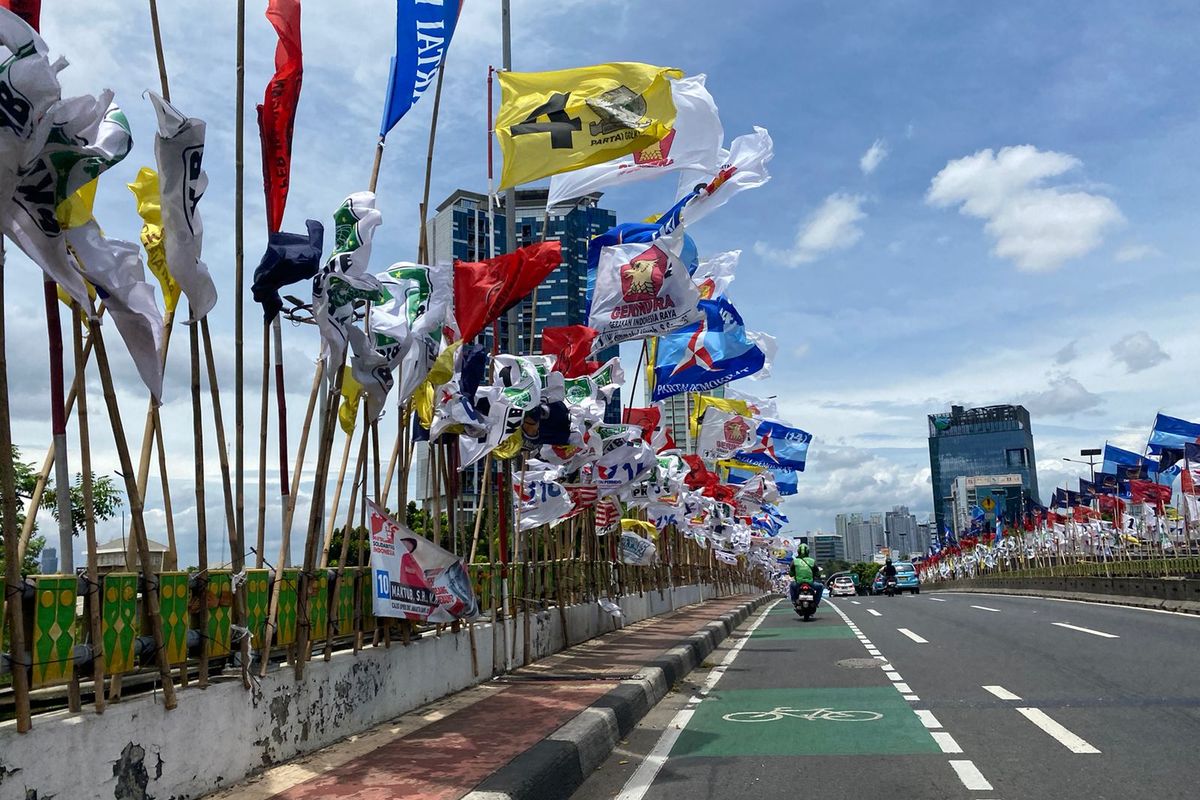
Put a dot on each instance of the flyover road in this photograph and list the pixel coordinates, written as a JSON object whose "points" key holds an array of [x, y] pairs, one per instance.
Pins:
{"points": [[937, 695]]}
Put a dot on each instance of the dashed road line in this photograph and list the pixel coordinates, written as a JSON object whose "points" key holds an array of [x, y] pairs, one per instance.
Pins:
{"points": [[912, 698], [987, 608], [1086, 630], [970, 776], [937, 599], [902, 688], [640, 782], [913, 636], [1056, 730], [1001, 692], [946, 742], [927, 718], [855, 602], [874, 613], [893, 676]]}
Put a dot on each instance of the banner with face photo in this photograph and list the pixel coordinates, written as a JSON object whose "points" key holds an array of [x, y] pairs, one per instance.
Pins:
{"points": [[413, 577]]}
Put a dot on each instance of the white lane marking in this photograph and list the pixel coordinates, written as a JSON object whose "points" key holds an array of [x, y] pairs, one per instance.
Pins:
{"points": [[1083, 602], [1001, 692], [946, 742], [1086, 630], [893, 676], [970, 776], [874, 613], [927, 718], [913, 636], [855, 602], [639, 783], [937, 599], [986, 608], [911, 697], [1067, 739], [902, 688], [873, 651]]}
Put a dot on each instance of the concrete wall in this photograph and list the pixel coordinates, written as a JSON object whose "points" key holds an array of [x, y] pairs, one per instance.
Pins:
{"points": [[215, 737], [1170, 594]]}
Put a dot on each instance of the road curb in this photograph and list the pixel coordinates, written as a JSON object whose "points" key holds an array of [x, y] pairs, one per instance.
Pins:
{"points": [[556, 766], [1154, 603]]}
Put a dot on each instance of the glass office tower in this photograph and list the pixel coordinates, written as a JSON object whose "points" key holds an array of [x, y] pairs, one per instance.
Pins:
{"points": [[993, 440]]}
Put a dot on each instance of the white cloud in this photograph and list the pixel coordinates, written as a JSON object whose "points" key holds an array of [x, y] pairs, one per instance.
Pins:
{"points": [[801, 349], [833, 226], [850, 479], [1038, 227], [1065, 397], [1138, 351], [1067, 353], [1136, 252], [874, 156]]}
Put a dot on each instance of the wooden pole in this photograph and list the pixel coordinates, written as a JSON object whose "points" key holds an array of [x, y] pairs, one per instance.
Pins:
{"points": [[487, 475], [289, 511], [96, 636], [238, 534], [337, 496], [13, 583], [137, 521], [58, 424], [360, 479], [391, 467], [263, 412], [286, 492], [237, 553], [202, 575]]}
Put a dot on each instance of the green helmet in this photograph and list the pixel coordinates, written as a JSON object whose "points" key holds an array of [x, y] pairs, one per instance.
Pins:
{"points": [[802, 550]]}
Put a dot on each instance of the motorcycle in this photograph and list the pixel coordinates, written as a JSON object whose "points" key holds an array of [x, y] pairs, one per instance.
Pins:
{"points": [[806, 601], [889, 587]]}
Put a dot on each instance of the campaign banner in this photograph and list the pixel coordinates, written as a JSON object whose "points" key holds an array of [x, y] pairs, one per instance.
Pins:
{"points": [[414, 578], [637, 550]]}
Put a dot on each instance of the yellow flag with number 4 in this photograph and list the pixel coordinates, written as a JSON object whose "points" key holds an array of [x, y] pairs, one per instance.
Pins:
{"points": [[551, 122]]}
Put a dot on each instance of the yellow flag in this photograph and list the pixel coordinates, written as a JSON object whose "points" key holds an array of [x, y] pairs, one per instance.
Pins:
{"points": [[651, 362], [149, 208], [441, 371], [76, 210], [551, 122], [702, 402], [510, 446], [352, 391], [646, 529]]}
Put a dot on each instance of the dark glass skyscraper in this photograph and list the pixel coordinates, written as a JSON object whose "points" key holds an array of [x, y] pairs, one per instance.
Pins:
{"points": [[994, 440]]}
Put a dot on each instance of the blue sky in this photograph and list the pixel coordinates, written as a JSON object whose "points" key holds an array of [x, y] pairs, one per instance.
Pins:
{"points": [[991, 203]]}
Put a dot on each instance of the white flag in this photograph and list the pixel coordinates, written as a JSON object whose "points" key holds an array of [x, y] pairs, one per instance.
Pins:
{"points": [[179, 151], [115, 268], [642, 290], [622, 465], [722, 434], [84, 137], [693, 143], [714, 275], [745, 167], [542, 499], [406, 322], [31, 82], [344, 278]]}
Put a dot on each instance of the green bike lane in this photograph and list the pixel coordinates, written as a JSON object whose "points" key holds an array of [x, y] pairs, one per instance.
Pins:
{"points": [[801, 706]]}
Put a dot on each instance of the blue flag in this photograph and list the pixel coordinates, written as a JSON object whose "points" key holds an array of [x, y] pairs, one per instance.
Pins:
{"points": [[423, 31], [777, 446], [711, 353], [1115, 455], [785, 480], [1172, 432]]}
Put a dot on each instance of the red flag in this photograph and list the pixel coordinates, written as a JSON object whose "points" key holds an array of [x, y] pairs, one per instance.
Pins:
{"points": [[483, 290], [1149, 492], [699, 476], [572, 344], [645, 418], [28, 10], [277, 114], [1110, 504]]}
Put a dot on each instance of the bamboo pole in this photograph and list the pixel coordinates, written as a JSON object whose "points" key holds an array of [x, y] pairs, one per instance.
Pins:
{"points": [[337, 495], [237, 553], [263, 413], [137, 521], [238, 533], [13, 583], [202, 576], [391, 467], [487, 475], [58, 424], [285, 491], [89, 520], [359, 476], [289, 512]]}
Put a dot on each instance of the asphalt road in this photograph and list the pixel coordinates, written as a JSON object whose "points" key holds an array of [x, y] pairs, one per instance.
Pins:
{"points": [[939, 695]]}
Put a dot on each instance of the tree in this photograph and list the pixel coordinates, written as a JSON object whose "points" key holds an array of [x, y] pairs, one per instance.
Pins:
{"points": [[865, 571], [106, 502]]}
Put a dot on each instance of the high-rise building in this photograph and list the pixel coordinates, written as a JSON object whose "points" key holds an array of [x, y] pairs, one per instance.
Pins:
{"points": [[862, 535], [900, 528], [461, 230], [824, 547], [968, 442]]}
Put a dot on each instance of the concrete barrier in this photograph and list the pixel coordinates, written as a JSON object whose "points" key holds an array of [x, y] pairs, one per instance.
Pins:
{"points": [[1168, 594], [219, 735]]}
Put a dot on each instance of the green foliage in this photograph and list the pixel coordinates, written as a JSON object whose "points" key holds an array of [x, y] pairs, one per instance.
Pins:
{"points": [[106, 500], [836, 565], [358, 535], [865, 570]]}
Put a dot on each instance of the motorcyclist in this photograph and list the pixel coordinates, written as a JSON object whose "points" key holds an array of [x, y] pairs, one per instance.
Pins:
{"points": [[805, 570], [889, 572]]}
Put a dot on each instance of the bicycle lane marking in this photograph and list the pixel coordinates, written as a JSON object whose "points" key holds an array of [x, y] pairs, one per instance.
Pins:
{"points": [[643, 778], [967, 772]]}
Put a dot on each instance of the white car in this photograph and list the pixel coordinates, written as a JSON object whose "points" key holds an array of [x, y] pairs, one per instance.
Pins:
{"points": [[842, 585]]}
